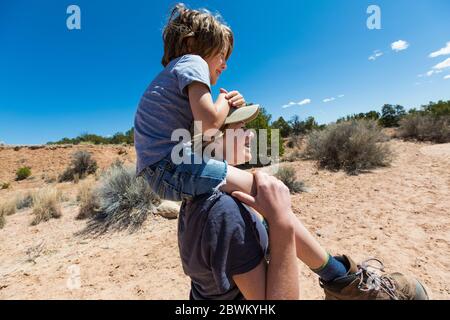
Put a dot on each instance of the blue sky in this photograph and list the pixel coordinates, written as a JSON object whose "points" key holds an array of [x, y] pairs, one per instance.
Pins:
{"points": [[57, 83]]}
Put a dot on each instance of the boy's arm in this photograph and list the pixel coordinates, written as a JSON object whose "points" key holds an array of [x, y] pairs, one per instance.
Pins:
{"points": [[212, 115]]}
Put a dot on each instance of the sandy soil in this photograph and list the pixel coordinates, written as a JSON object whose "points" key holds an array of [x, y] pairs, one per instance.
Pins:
{"points": [[398, 214]]}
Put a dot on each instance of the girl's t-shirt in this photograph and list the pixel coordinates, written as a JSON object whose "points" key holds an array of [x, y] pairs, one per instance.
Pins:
{"points": [[164, 107]]}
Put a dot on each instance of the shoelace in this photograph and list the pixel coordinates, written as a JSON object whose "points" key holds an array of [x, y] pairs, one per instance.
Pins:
{"points": [[371, 280]]}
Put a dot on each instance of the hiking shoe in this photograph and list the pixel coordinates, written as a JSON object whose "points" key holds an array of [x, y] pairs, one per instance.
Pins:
{"points": [[367, 282]]}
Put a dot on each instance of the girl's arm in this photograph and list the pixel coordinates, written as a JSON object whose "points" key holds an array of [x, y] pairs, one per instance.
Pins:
{"points": [[212, 115]]}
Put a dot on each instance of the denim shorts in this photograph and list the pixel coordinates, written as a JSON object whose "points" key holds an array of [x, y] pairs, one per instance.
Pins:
{"points": [[177, 182]]}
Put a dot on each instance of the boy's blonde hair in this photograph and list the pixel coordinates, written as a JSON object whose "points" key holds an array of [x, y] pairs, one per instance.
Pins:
{"points": [[195, 32]]}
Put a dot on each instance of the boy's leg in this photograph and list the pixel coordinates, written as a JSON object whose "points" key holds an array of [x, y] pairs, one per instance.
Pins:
{"points": [[308, 248], [329, 268]]}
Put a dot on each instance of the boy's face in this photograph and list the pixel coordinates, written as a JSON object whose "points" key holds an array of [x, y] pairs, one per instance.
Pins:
{"points": [[217, 64]]}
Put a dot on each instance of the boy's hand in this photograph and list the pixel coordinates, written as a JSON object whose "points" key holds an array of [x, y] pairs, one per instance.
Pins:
{"points": [[235, 99]]}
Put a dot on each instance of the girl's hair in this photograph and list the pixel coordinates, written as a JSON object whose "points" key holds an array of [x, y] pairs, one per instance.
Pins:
{"points": [[196, 32]]}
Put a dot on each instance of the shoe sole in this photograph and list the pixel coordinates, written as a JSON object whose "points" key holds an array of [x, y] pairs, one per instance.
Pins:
{"points": [[425, 293]]}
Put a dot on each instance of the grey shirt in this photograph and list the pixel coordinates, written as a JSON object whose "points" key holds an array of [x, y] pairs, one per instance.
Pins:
{"points": [[219, 237], [164, 107]]}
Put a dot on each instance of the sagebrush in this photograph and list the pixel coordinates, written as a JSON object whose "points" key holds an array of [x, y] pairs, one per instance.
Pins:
{"points": [[82, 164], [24, 201], [425, 127], [288, 177], [353, 146], [124, 201]]}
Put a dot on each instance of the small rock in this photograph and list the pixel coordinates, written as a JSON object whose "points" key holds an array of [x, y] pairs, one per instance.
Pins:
{"points": [[168, 210]]}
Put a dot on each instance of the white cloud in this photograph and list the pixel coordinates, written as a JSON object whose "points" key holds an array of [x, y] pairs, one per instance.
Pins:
{"points": [[429, 73], [341, 96], [376, 54], [301, 103], [329, 99], [443, 65], [447, 77], [441, 52], [399, 45]]}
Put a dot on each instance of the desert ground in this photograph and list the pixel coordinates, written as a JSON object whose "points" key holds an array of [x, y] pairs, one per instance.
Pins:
{"points": [[399, 214]]}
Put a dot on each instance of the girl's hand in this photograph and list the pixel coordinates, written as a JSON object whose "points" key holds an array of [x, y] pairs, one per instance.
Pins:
{"points": [[235, 99]]}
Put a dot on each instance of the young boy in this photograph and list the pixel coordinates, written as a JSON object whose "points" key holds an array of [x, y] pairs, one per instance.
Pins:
{"points": [[196, 48]]}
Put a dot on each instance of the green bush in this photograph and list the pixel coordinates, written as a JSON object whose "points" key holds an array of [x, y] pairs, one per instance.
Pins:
{"points": [[23, 173], [425, 127], [353, 146], [287, 176], [82, 165]]}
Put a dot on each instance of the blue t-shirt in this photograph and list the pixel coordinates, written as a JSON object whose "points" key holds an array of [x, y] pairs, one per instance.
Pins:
{"points": [[164, 107], [219, 237]]}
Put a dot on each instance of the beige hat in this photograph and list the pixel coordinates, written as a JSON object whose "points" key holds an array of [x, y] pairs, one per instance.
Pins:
{"points": [[242, 114]]}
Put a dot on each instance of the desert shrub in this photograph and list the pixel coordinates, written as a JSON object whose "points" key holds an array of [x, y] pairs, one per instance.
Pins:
{"points": [[46, 205], [23, 173], [7, 208], [425, 127], [294, 155], [24, 201], [2, 220], [124, 201], [5, 185], [82, 165], [353, 146], [88, 198], [294, 141], [287, 176]]}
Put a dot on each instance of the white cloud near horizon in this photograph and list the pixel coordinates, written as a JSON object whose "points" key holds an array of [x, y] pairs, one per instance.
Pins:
{"points": [[447, 77], [442, 65], [329, 99], [376, 54], [441, 52], [399, 45], [341, 96], [300, 103]]}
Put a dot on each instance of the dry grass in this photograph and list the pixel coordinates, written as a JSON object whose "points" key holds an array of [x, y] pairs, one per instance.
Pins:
{"points": [[88, 199], [46, 205], [8, 207]]}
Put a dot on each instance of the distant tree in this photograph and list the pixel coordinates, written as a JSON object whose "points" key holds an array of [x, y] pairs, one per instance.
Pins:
{"points": [[283, 126], [303, 127], [371, 115], [440, 108], [391, 115]]}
